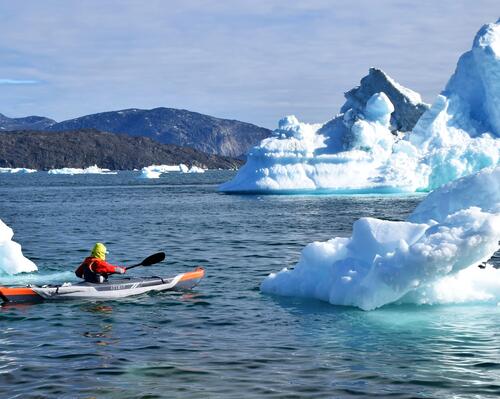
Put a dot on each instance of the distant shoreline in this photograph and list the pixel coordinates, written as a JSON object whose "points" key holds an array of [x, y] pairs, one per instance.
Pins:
{"points": [[83, 148]]}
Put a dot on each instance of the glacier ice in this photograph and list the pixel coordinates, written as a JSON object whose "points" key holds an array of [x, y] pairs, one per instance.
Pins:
{"points": [[12, 260], [453, 230], [386, 139]]}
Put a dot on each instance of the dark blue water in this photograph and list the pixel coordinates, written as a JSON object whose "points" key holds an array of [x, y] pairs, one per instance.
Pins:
{"points": [[224, 339]]}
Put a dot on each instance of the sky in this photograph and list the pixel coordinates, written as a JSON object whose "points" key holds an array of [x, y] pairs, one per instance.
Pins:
{"points": [[254, 61]]}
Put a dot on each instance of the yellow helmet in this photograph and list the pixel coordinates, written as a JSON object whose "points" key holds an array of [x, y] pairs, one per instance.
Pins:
{"points": [[99, 251]]}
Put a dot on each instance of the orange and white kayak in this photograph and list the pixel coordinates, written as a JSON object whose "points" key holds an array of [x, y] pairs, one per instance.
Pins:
{"points": [[109, 290]]}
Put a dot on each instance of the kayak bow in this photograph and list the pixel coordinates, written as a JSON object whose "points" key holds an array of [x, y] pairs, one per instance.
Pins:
{"points": [[110, 290]]}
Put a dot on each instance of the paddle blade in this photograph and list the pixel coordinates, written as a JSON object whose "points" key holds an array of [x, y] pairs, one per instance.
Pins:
{"points": [[153, 259]]}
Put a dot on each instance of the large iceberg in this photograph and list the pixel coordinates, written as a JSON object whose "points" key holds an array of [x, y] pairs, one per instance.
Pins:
{"points": [[12, 260], [376, 144], [432, 257]]}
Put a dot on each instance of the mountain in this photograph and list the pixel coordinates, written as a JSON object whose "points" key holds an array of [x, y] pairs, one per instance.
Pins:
{"points": [[83, 148], [28, 123], [174, 126]]}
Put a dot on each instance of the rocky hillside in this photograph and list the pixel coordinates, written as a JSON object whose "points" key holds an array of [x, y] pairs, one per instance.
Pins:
{"points": [[26, 123], [173, 126], [83, 148]]}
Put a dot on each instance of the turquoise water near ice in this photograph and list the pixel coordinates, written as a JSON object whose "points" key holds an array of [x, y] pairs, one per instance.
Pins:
{"points": [[224, 339]]}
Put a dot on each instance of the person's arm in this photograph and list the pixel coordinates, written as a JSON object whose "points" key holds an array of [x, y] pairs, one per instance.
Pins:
{"points": [[103, 267], [79, 271]]}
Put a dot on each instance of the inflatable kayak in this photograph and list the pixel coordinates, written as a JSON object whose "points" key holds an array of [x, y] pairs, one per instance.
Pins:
{"points": [[109, 290]]}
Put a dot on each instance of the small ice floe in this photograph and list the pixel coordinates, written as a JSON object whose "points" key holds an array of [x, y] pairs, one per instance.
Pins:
{"points": [[155, 171], [17, 170], [91, 170]]}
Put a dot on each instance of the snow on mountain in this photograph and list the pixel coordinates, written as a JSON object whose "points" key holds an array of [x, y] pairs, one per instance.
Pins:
{"points": [[373, 145], [440, 245]]}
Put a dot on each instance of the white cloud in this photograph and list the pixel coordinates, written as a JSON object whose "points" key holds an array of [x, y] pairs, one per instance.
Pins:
{"points": [[17, 81]]}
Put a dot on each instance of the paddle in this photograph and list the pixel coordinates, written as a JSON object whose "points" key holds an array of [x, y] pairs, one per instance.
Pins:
{"points": [[150, 260]]}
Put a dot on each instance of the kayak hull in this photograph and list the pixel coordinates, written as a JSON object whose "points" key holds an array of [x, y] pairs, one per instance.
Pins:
{"points": [[112, 290]]}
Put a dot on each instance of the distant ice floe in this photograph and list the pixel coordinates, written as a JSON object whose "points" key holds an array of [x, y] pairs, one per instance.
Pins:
{"points": [[91, 170], [430, 258], [12, 260], [376, 145], [17, 170], [155, 171]]}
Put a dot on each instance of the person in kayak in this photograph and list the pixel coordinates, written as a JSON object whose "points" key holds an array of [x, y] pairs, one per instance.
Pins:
{"points": [[95, 269]]}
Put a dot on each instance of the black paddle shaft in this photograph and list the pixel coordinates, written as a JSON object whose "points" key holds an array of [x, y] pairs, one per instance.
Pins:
{"points": [[150, 260]]}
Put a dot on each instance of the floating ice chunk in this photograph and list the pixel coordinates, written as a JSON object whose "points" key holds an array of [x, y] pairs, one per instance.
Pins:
{"points": [[78, 171], [454, 228], [149, 174], [355, 155], [17, 170], [195, 169], [155, 171], [12, 260]]}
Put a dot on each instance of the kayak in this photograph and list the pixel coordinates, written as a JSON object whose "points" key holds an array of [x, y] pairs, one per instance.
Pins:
{"points": [[109, 290]]}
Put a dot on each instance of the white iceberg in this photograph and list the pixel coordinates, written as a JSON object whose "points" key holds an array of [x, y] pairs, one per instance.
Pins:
{"points": [[373, 145], [12, 260], [453, 230], [17, 170], [155, 171], [91, 170], [195, 169]]}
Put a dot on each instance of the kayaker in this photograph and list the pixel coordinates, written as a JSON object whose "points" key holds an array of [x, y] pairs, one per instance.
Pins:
{"points": [[95, 269]]}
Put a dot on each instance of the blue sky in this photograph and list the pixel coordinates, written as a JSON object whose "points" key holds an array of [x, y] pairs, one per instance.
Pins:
{"points": [[253, 60]]}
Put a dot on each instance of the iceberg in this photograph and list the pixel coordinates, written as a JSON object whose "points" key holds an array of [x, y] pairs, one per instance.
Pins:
{"points": [[385, 139], [155, 171], [12, 260], [439, 247], [91, 170], [17, 170], [195, 169], [459, 134]]}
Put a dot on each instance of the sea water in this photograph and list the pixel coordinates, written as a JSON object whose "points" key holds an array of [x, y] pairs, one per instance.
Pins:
{"points": [[224, 339]]}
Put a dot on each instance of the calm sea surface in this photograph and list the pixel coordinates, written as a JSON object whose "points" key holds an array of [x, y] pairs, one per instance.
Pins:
{"points": [[224, 339]]}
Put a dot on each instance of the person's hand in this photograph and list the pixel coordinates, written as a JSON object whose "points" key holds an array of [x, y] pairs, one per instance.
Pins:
{"points": [[121, 270]]}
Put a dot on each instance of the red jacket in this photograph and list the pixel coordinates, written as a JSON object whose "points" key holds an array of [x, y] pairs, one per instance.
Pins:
{"points": [[95, 265]]}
